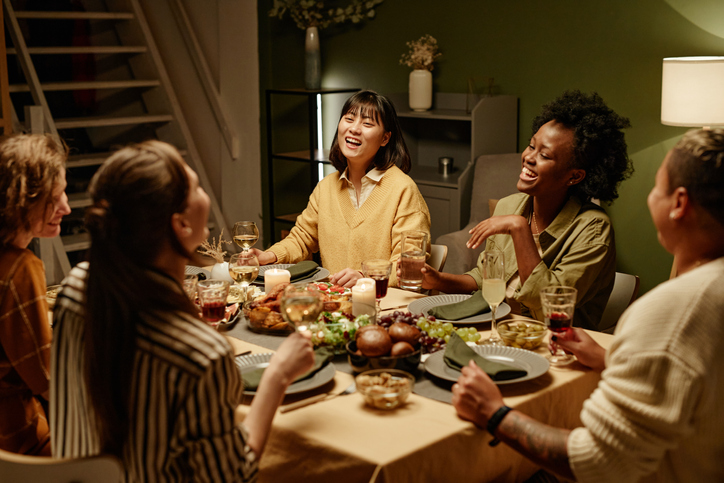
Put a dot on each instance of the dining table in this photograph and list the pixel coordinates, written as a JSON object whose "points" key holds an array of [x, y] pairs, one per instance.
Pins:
{"points": [[341, 439]]}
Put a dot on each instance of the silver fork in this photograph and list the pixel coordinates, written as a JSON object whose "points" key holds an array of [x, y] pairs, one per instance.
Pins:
{"points": [[315, 399]]}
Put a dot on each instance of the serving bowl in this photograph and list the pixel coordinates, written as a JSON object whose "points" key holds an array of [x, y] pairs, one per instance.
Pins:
{"points": [[385, 388], [523, 333], [361, 363], [334, 329]]}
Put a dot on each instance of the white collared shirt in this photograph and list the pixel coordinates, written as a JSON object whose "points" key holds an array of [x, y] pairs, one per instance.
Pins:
{"points": [[369, 181]]}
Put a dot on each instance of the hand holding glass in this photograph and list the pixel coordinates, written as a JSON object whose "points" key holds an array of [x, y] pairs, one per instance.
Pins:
{"points": [[301, 305], [413, 252], [559, 304], [212, 296], [378, 270], [493, 289], [245, 234]]}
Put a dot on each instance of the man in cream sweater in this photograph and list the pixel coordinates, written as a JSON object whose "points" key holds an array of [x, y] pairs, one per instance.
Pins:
{"points": [[656, 413]]}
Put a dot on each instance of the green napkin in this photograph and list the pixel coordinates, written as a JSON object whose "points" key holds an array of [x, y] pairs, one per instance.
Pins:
{"points": [[321, 357], [474, 305], [304, 269], [458, 354]]}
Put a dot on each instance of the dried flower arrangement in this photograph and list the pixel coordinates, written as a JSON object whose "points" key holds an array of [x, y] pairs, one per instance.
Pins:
{"points": [[213, 249], [422, 54], [312, 13]]}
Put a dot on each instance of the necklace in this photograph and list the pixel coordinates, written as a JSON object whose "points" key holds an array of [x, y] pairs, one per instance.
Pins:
{"points": [[535, 223]]}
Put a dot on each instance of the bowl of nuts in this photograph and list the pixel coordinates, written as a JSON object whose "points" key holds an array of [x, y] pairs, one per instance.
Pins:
{"points": [[385, 388], [523, 333]]}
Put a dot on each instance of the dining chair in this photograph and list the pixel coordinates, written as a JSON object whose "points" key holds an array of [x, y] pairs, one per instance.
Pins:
{"points": [[438, 256], [19, 468], [625, 290]]}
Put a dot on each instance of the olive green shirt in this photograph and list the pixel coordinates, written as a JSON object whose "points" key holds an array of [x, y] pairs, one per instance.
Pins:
{"points": [[578, 251]]}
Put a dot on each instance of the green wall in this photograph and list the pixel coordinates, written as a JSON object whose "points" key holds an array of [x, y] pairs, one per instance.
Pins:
{"points": [[534, 50]]}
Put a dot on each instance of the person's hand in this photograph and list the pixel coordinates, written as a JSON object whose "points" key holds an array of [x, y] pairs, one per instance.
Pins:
{"points": [[495, 225], [265, 258], [431, 279], [581, 345], [345, 278], [294, 357], [475, 396]]}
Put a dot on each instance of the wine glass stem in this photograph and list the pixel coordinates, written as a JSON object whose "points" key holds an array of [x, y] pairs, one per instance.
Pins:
{"points": [[378, 307], [493, 326]]}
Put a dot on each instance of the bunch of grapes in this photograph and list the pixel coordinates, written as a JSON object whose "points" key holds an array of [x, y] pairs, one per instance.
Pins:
{"points": [[435, 334]]}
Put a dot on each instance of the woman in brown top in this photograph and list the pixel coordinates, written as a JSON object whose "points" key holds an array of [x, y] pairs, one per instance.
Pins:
{"points": [[32, 203]]}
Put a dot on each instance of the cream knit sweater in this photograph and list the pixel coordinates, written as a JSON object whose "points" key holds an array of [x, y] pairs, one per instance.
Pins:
{"points": [[346, 237], [658, 412]]}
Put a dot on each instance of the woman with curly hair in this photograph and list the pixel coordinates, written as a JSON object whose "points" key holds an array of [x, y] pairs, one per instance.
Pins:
{"points": [[33, 201], [551, 233]]}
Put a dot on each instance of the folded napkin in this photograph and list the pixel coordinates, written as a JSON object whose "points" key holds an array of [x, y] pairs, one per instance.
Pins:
{"points": [[474, 305], [304, 269], [321, 357], [458, 354]]}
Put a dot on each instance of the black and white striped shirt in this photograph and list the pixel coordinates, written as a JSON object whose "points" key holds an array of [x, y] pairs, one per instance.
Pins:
{"points": [[185, 388]]}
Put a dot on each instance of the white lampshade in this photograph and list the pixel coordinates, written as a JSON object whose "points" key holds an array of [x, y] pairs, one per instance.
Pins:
{"points": [[692, 91]]}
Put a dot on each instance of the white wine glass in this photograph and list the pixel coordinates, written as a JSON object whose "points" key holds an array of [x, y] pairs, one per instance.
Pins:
{"points": [[301, 305], [245, 234], [493, 289], [244, 268]]}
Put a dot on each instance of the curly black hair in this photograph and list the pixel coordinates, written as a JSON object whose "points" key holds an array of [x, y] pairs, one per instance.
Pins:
{"points": [[599, 146]]}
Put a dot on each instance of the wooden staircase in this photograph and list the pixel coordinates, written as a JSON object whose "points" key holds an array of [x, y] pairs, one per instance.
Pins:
{"points": [[97, 77]]}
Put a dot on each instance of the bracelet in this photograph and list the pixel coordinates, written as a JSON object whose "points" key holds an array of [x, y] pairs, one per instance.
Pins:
{"points": [[494, 422]]}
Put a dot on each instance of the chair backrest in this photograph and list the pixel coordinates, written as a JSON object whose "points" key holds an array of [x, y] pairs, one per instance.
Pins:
{"points": [[438, 255], [17, 468], [625, 290], [495, 177]]}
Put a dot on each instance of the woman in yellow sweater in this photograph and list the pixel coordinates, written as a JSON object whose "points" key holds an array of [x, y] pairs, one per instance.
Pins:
{"points": [[360, 211]]}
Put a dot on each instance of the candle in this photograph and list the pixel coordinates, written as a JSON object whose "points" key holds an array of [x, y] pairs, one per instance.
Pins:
{"points": [[275, 276], [363, 293]]}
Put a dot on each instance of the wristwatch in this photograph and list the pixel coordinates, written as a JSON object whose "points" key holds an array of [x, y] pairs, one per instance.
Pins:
{"points": [[494, 422]]}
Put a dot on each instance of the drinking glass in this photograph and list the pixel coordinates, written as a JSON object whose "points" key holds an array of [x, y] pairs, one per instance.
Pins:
{"points": [[190, 281], [412, 256], [245, 234], [301, 305], [244, 268], [212, 296], [493, 289], [378, 270], [558, 304]]}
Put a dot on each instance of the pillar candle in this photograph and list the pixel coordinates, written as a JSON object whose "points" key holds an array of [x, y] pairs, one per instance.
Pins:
{"points": [[275, 276], [363, 293]]}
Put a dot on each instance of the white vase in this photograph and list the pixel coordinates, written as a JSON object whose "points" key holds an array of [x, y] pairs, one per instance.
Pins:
{"points": [[220, 271], [420, 90], [312, 60]]}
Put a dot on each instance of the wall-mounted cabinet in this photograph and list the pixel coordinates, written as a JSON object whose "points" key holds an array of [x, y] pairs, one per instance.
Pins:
{"points": [[449, 129]]}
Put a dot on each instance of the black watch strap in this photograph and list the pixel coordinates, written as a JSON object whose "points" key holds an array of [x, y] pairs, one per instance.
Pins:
{"points": [[494, 422]]}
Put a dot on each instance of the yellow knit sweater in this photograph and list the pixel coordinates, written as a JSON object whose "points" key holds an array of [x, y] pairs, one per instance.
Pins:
{"points": [[346, 237]]}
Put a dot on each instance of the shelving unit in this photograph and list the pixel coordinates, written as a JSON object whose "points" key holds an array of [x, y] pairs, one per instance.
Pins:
{"points": [[279, 152], [448, 129]]}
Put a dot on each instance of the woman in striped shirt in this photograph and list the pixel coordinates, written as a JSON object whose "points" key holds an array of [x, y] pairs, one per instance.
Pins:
{"points": [[135, 373]]}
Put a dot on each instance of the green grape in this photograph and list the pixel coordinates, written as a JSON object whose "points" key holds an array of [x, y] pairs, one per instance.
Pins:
{"points": [[475, 337], [447, 338], [424, 325], [447, 327]]}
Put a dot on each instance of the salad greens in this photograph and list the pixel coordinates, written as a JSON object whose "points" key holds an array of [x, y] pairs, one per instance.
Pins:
{"points": [[335, 329]]}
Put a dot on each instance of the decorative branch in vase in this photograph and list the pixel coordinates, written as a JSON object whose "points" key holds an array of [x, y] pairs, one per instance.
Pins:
{"points": [[311, 15], [215, 250], [421, 58]]}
